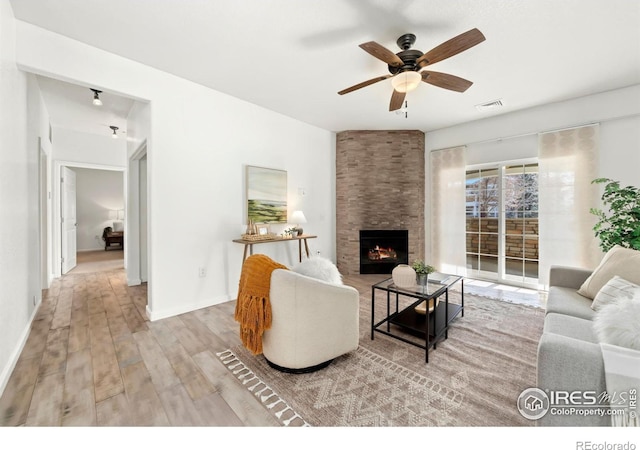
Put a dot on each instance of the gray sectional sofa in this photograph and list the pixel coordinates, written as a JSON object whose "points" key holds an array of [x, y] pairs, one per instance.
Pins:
{"points": [[569, 355]]}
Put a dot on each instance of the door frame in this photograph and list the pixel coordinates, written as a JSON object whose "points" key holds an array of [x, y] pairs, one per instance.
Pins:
{"points": [[69, 224], [134, 274], [44, 215], [57, 229]]}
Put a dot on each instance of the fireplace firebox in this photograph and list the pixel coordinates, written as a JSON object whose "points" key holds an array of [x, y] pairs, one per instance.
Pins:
{"points": [[382, 250]]}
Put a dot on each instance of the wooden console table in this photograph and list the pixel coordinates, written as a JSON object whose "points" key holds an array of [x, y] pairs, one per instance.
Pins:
{"points": [[248, 244]]}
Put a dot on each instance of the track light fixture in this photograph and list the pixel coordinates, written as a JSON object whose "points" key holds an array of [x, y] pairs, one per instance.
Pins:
{"points": [[96, 97], [114, 135]]}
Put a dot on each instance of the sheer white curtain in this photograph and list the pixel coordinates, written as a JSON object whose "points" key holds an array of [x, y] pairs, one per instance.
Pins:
{"points": [[448, 168], [567, 165]]}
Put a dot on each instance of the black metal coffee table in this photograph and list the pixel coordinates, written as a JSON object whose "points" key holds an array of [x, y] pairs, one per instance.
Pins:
{"points": [[403, 323]]}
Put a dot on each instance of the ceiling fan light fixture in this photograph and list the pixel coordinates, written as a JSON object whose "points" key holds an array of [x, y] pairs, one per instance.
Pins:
{"points": [[96, 97], [406, 67], [406, 81]]}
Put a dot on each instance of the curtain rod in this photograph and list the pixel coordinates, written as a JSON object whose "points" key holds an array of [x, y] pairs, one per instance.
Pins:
{"points": [[486, 141], [533, 133]]}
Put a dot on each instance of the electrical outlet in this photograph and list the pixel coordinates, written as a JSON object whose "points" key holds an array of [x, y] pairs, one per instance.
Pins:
{"points": [[202, 272], [97, 238]]}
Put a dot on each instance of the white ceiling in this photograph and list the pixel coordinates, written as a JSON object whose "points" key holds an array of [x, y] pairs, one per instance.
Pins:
{"points": [[293, 56], [71, 106]]}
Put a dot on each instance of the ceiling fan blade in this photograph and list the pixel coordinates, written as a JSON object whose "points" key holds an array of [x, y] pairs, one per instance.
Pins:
{"points": [[397, 99], [446, 81], [452, 47], [363, 84], [382, 53]]}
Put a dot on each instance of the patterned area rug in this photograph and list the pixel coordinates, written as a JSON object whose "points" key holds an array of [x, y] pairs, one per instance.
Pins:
{"points": [[472, 379]]}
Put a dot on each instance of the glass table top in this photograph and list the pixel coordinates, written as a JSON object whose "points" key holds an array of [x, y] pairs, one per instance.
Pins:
{"points": [[438, 282]]}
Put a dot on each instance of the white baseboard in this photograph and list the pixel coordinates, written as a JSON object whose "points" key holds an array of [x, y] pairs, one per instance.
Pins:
{"points": [[15, 355], [134, 281], [163, 314]]}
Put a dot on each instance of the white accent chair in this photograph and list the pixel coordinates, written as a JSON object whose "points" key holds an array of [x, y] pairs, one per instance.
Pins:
{"points": [[313, 322]]}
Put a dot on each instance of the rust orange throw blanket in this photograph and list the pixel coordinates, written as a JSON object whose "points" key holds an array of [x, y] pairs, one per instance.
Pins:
{"points": [[253, 309]]}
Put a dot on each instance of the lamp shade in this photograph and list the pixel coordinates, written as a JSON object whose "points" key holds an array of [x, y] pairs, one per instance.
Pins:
{"points": [[406, 81], [298, 217]]}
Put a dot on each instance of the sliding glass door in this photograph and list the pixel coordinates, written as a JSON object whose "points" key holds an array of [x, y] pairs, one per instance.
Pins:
{"points": [[502, 222]]}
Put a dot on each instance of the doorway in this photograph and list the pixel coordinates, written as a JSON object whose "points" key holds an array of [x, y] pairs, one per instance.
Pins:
{"points": [[89, 199], [502, 222]]}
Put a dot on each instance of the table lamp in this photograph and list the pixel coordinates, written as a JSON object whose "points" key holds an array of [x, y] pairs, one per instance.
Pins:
{"points": [[298, 217]]}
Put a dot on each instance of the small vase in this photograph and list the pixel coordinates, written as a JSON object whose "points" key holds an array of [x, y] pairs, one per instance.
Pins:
{"points": [[422, 279]]}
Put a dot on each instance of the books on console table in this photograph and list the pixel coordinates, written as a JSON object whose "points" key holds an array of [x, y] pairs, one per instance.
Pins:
{"points": [[440, 278]]}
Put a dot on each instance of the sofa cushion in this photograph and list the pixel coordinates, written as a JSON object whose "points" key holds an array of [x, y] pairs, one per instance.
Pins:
{"points": [[616, 287], [567, 301], [573, 327], [569, 364], [319, 268], [616, 323], [624, 262]]}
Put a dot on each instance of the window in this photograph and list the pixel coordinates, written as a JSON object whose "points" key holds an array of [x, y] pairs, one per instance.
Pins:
{"points": [[502, 222]]}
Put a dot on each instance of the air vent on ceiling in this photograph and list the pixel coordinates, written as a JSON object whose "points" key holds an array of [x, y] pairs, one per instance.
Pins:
{"points": [[490, 105]]}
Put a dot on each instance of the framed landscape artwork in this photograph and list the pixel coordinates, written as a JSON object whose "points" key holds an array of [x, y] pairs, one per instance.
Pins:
{"points": [[266, 195]]}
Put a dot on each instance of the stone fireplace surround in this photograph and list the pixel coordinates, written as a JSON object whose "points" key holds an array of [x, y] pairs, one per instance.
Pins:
{"points": [[380, 185]]}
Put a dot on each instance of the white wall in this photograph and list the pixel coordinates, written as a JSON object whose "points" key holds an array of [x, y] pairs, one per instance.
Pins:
{"points": [[74, 146], [620, 149], [98, 194], [39, 134], [20, 281], [198, 145], [514, 135]]}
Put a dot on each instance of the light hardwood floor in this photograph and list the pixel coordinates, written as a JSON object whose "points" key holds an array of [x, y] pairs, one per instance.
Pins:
{"points": [[94, 359]]}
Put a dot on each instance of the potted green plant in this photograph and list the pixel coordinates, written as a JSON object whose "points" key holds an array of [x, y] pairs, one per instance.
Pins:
{"points": [[290, 232], [620, 225], [422, 271]]}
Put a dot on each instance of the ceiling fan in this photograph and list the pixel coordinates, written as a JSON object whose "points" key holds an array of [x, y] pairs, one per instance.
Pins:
{"points": [[406, 67]]}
